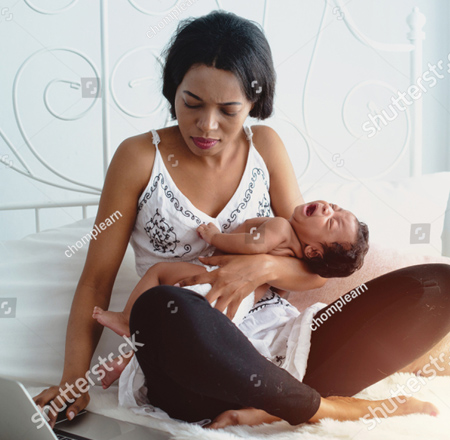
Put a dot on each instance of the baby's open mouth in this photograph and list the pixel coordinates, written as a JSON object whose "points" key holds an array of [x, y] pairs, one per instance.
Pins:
{"points": [[310, 209]]}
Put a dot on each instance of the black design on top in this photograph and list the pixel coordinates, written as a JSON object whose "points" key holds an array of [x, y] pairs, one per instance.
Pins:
{"points": [[256, 172], [162, 235], [264, 209], [159, 179], [274, 299], [279, 360]]}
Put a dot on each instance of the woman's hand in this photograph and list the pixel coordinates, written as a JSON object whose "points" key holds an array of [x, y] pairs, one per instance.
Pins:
{"points": [[239, 275], [71, 400], [236, 278]]}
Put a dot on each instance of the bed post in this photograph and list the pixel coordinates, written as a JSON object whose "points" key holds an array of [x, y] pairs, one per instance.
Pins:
{"points": [[415, 21], [104, 82]]}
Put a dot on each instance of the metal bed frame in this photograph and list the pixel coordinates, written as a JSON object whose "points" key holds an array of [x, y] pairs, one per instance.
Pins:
{"points": [[415, 21]]}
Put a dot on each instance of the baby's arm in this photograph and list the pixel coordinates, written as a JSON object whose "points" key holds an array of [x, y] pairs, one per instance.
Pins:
{"points": [[264, 235]]}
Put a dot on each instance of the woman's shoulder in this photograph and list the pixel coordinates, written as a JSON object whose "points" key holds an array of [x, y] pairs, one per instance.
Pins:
{"points": [[136, 154], [268, 144], [141, 147]]}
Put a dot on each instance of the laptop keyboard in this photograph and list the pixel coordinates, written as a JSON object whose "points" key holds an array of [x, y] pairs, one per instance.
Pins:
{"points": [[67, 436]]}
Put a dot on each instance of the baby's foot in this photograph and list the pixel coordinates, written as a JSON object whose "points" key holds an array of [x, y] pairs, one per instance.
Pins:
{"points": [[116, 321], [113, 369]]}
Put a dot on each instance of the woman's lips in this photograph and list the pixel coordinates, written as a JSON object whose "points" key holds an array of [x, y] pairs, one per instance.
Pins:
{"points": [[203, 143]]}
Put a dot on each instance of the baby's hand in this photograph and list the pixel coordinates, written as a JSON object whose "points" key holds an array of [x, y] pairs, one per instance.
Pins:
{"points": [[207, 232]]}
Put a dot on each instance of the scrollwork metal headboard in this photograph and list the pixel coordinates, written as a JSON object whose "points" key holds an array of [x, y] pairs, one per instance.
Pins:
{"points": [[107, 97]]}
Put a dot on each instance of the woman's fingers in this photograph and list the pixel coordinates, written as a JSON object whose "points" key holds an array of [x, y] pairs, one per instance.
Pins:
{"points": [[233, 306], [216, 260], [45, 396], [230, 283], [50, 397], [206, 277], [79, 404], [59, 401]]}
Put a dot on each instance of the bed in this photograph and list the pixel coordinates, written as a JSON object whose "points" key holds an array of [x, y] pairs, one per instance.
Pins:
{"points": [[35, 301]]}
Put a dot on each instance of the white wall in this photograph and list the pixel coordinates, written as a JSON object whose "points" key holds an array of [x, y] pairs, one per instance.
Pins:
{"points": [[73, 145]]}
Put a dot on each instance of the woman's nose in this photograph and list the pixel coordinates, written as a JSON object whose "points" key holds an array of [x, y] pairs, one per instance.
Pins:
{"points": [[207, 122]]}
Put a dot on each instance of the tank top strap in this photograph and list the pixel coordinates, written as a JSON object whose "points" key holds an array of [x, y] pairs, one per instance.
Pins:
{"points": [[155, 138], [249, 134]]}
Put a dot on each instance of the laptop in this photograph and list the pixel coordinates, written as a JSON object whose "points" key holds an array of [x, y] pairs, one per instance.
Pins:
{"points": [[19, 421]]}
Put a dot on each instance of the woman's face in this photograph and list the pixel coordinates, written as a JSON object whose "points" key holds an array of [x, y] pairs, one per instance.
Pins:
{"points": [[321, 222], [210, 105]]}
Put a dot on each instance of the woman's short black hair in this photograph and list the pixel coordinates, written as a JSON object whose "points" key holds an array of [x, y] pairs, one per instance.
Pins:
{"points": [[225, 41], [340, 260]]}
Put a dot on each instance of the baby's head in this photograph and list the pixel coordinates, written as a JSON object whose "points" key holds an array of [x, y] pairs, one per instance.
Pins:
{"points": [[334, 242]]}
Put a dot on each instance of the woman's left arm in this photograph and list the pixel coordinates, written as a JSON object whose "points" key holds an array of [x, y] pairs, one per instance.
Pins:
{"points": [[284, 191], [284, 273]]}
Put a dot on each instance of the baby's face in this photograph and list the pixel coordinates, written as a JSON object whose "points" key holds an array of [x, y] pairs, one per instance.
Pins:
{"points": [[322, 222]]}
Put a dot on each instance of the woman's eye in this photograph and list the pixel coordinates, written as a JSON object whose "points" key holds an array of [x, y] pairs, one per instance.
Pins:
{"points": [[197, 106], [190, 106], [228, 114]]}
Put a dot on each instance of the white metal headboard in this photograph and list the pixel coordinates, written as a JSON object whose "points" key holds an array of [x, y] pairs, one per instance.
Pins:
{"points": [[105, 94]]}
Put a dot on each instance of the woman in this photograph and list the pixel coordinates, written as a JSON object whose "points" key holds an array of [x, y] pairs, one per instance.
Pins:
{"points": [[208, 168]]}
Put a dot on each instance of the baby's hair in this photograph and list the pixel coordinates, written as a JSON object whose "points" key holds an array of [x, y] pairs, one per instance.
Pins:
{"points": [[341, 259]]}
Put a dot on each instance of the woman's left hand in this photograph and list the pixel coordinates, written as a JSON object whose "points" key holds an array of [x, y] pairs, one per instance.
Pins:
{"points": [[236, 278]]}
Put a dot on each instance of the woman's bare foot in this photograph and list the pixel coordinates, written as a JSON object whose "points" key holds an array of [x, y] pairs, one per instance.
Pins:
{"points": [[351, 408], [334, 407], [245, 416], [116, 321], [114, 369]]}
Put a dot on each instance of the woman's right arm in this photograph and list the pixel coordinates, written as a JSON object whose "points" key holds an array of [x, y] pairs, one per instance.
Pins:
{"points": [[127, 175]]}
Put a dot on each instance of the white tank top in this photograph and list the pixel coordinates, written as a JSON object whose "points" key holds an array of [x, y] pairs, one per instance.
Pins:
{"points": [[166, 222]]}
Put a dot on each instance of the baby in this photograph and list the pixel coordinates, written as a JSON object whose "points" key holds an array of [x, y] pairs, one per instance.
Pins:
{"points": [[328, 238]]}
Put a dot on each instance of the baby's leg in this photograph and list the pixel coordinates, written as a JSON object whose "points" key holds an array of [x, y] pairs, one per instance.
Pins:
{"points": [[158, 274]]}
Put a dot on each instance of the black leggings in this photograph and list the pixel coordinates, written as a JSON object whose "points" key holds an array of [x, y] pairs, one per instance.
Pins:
{"points": [[197, 363]]}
